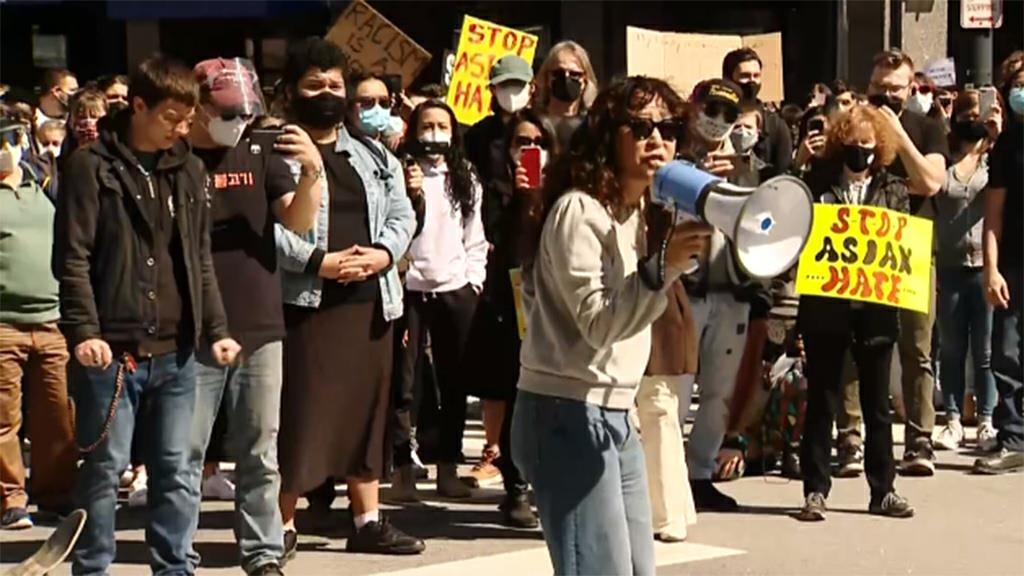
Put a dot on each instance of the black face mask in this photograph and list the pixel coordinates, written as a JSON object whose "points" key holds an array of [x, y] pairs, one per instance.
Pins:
{"points": [[879, 100], [566, 88], [323, 111], [857, 158], [750, 90], [423, 149], [969, 130]]}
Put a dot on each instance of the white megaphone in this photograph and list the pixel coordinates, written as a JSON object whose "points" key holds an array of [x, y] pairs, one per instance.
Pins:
{"points": [[768, 225]]}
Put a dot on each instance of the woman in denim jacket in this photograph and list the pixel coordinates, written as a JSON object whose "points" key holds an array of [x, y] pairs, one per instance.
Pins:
{"points": [[341, 294]]}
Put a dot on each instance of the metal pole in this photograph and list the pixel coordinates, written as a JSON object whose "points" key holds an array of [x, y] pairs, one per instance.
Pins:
{"points": [[896, 24], [981, 57]]}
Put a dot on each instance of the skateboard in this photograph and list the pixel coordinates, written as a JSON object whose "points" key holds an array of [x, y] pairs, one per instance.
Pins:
{"points": [[56, 548]]}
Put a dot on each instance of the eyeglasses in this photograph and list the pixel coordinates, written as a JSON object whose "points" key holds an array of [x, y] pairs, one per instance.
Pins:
{"points": [[715, 109], [574, 74], [923, 89], [889, 88], [642, 128], [368, 102], [521, 141], [228, 117], [12, 137]]}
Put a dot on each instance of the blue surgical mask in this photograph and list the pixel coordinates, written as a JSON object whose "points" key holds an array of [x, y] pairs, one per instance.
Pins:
{"points": [[375, 120], [1017, 100]]}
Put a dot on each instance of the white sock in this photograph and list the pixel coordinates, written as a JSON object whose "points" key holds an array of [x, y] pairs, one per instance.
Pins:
{"points": [[953, 418], [364, 519], [986, 420]]}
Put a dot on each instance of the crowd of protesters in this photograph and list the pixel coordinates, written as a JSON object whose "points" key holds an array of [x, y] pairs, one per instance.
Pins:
{"points": [[311, 281]]}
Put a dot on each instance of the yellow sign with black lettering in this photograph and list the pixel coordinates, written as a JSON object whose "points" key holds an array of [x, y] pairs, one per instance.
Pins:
{"points": [[868, 254]]}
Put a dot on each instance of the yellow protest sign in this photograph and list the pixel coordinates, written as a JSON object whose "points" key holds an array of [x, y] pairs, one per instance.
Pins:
{"points": [[373, 44], [516, 276], [868, 254], [480, 44]]}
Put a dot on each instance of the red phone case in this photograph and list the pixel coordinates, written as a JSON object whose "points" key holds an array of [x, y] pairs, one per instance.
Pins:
{"points": [[530, 160]]}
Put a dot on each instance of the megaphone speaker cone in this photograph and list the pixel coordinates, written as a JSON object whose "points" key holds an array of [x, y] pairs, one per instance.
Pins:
{"points": [[773, 227]]}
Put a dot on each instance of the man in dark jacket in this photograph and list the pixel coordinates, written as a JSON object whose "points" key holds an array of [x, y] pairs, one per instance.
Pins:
{"points": [[743, 66], [137, 290]]}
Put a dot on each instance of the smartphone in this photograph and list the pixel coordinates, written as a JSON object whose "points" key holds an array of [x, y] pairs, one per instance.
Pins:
{"points": [[394, 84], [262, 140], [816, 125], [530, 160], [878, 100], [987, 99]]}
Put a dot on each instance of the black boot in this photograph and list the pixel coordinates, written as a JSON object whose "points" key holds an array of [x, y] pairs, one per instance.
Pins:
{"points": [[707, 498], [516, 511]]}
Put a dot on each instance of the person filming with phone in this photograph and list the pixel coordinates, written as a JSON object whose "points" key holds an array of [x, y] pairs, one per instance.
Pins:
{"points": [[922, 151]]}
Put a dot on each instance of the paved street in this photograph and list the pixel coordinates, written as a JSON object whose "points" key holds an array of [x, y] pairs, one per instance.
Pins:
{"points": [[964, 525]]}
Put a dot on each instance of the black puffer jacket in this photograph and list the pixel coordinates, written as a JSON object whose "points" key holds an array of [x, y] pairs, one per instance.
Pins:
{"points": [[105, 243], [867, 323]]}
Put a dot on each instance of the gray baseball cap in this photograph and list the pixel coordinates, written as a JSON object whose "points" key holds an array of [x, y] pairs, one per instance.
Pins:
{"points": [[511, 67]]}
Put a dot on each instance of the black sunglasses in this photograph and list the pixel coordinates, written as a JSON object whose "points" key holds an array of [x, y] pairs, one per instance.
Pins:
{"points": [[714, 109], [521, 141], [642, 128], [369, 102], [570, 73]]}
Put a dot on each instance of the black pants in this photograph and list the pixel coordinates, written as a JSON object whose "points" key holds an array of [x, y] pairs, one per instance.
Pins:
{"points": [[447, 317], [511, 477], [824, 389], [1007, 353]]}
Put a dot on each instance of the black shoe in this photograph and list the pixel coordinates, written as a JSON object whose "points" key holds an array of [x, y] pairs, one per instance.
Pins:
{"points": [[327, 522], [707, 498], [517, 513], [52, 514], [791, 466], [851, 461], [15, 519], [892, 505], [291, 546], [920, 460], [814, 508], [1002, 462], [383, 538], [269, 569]]}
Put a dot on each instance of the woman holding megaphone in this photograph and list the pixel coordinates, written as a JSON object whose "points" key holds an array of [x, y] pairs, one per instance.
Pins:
{"points": [[591, 289], [859, 147]]}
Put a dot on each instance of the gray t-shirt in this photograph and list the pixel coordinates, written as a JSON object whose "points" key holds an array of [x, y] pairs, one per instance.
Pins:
{"points": [[960, 217]]}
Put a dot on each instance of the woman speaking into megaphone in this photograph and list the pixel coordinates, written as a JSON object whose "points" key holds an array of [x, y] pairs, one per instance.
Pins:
{"points": [[591, 289]]}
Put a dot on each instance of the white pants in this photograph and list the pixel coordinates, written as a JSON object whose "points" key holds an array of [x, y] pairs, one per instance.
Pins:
{"points": [[722, 325], [672, 508]]}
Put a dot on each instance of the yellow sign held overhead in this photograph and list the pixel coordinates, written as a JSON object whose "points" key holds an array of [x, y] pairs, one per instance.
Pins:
{"points": [[481, 43]]}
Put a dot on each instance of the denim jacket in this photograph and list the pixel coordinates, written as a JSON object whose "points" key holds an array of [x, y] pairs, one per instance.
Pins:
{"points": [[392, 223]]}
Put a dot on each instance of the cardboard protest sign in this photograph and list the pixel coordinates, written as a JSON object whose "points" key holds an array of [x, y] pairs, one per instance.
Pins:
{"points": [[868, 254], [942, 72], [516, 276], [480, 44], [374, 44], [686, 59]]}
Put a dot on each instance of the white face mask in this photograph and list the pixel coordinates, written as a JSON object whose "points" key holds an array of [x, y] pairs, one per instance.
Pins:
{"points": [[10, 157], [395, 126], [713, 129], [512, 98], [226, 132], [53, 150], [920, 103], [743, 138]]}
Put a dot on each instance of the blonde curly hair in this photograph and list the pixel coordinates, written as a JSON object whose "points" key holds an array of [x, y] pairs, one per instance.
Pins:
{"points": [[861, 116]]}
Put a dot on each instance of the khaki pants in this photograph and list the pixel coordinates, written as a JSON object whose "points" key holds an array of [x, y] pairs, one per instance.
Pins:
{"points": [[36, 356], [672, 507]]}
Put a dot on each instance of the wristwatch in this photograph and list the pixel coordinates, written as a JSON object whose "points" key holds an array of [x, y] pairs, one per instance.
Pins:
{"points": [[318, 173]]}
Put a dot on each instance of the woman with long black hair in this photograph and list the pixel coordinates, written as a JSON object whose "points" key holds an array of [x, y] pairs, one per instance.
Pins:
{"points": [[591, 290], [447, 269]]}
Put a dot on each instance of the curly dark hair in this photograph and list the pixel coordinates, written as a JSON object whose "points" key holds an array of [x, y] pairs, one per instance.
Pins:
{"points": [[590, 163], [462, 179]]}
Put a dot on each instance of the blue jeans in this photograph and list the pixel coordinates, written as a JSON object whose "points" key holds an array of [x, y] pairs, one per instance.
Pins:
{"points": [[1007, 351], [160, 394], [587, 469], [965, 319], [251, 391]]}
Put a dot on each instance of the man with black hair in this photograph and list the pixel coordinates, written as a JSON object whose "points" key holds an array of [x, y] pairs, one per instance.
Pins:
{"points": [[138, 292], [59, 85], [115, 88], [743, 66]]}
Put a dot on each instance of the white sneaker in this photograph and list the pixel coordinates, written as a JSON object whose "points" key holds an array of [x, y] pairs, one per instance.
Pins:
{"points": [[218, 487], [126, 478], [138, 491], [950, 437], [987, 441]]}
